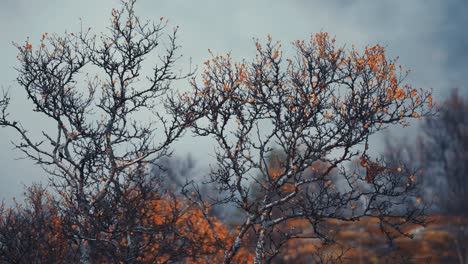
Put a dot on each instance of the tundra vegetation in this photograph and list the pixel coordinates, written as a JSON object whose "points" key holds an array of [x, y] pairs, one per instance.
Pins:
{"points": [[287, 131]]}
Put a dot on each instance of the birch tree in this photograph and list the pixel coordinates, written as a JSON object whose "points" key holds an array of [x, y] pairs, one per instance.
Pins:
{"points": [[99, 153], [321, 105]]}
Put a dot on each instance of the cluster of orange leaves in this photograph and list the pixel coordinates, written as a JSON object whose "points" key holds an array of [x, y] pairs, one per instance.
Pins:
{"points": [[372, 168], [211, 233], [381, 78], [208, 237], [37, 221]]}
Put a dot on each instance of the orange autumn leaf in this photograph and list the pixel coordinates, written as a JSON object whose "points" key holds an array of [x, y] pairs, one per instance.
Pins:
{"points": [[276, 54], [399, 94]]}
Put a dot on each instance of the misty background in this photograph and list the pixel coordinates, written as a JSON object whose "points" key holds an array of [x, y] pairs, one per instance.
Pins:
{"points": [[430, 37]]}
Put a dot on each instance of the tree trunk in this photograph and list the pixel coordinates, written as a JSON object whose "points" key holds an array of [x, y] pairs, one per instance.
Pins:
{"points": [[260, 248], [83, 231], [84, 252]]}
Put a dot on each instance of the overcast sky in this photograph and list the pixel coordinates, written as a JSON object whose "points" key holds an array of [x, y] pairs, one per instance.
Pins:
{"points": [[429, 36]]}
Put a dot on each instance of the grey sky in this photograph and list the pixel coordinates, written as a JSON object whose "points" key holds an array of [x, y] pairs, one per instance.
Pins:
{"points": [[430, 36]]}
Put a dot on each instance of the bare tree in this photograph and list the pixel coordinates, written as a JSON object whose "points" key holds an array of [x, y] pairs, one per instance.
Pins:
{"points": [[439, 152], [99, 154], [322, 105], [444, 157]]}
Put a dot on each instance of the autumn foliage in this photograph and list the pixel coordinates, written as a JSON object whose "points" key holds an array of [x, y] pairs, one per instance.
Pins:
{"points": [[321, 105], [33, 232], [38, 232], [104, 202]]}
